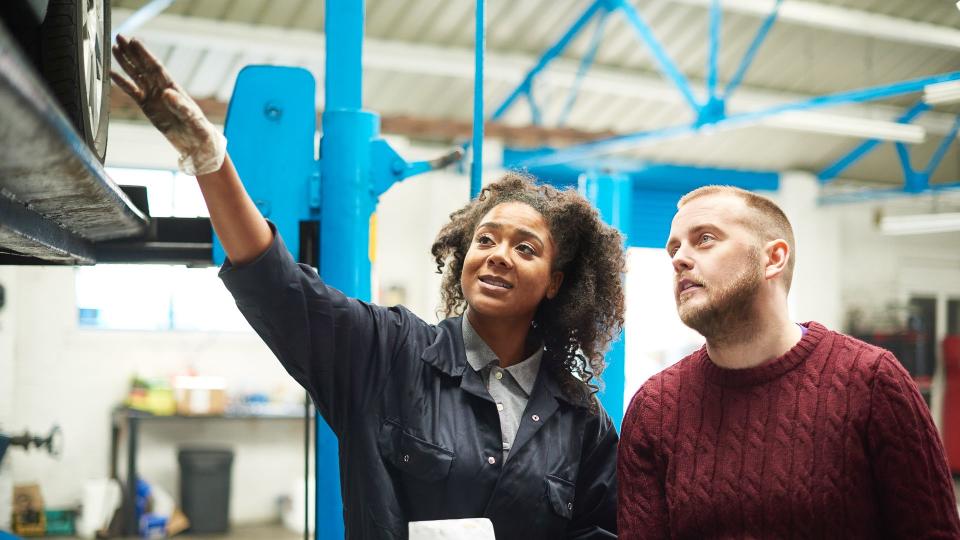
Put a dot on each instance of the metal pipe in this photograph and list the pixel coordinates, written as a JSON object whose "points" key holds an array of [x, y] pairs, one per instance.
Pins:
{"points": [[612, 195], [344, 53], [476, 167], [348, 205]]}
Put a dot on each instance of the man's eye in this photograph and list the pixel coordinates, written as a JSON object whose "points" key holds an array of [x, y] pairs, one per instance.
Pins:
{"points": [[706, 238]]}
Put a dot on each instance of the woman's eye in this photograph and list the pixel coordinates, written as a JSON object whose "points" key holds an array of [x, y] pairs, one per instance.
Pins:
{"points": [[526, 249], [484, 240]]}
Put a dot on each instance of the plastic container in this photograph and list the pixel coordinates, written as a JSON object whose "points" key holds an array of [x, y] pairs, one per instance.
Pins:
{"points": [[60, 522], [205, 488]]}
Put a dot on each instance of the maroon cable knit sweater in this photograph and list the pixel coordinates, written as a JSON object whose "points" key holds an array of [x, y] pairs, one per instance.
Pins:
{"points": [[830, 440]]}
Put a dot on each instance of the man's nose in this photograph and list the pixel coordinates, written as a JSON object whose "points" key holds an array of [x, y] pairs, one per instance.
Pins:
{"points": [[681, 261]]}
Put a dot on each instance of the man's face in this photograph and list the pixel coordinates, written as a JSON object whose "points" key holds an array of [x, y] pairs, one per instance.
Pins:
{"points": [[508, 269], [718, 268]]}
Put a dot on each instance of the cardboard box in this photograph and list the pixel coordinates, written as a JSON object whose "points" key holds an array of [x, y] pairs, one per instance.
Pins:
{"points": [[198, 396], [29, 518]]}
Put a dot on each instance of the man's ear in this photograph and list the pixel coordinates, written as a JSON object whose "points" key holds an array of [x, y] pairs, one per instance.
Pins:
{"points": [[555, 280], [778, 255]]}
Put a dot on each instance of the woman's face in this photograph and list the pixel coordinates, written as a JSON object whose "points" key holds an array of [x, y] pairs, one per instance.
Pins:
{"points": [[508, 269]]}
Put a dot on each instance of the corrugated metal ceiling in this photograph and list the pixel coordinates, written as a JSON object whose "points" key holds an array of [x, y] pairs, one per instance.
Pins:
{"points": [[796, 60]]}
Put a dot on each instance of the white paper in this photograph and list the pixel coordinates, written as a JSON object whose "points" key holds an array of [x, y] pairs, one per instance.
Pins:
{"points": [[452, 529]]}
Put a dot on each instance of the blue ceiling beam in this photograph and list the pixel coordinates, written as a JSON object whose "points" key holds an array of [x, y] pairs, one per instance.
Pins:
{"points": [[627, 141], [748, 57], [549, 56], [585, 63], [645, 175], [714, 48], [664, 63], [833, 170], [941, 150]]}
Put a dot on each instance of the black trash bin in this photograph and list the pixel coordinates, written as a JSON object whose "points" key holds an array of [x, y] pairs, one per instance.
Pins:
{"points": [[205, 488]]}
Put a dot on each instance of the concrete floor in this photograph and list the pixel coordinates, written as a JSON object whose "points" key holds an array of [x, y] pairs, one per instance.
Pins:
{"points": [[253, 532], [248, 532]]}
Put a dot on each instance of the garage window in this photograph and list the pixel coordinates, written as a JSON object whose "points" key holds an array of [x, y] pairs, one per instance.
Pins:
{"points": [[157, 297]]}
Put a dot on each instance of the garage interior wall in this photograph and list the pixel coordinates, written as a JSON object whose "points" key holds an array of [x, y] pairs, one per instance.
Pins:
{"points": [[53, 372], [7, 384]]}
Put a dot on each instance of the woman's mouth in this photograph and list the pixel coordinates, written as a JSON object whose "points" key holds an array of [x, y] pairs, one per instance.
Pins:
{"points": [[496, 283]]}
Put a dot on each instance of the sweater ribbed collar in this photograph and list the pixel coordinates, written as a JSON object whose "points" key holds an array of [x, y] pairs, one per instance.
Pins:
{"points": [[805, 348]]}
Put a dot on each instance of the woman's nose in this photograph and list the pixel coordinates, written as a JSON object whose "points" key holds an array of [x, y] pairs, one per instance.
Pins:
{"points": [[500, 256]]}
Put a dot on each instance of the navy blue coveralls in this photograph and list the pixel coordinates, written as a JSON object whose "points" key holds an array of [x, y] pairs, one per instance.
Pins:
{"points": [[419, 435]]}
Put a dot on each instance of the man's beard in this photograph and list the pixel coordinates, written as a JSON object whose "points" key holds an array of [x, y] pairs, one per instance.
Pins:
{"points": [[728, 310]]}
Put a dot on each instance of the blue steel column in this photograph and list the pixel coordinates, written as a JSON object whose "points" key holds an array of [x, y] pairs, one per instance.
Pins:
{"points": [[347, 204], [612, 195], [479, 36]]}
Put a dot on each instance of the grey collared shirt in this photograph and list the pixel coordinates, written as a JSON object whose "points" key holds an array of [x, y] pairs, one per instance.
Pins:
{"points": [[509, 387]]}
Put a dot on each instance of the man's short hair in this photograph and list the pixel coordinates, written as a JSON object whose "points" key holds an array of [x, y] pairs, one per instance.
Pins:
{"points": [[767, 219]]}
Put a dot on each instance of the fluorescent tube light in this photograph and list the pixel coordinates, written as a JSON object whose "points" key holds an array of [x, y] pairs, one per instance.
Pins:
{"points": [[920, 224], [942, 93], [850, 126]]}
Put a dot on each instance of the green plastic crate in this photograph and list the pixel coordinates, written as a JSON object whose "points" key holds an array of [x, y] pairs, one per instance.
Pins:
{"points": [[60, 522]]}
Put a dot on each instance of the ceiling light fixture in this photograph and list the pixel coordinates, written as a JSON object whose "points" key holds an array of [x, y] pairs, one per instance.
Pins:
{"points": [[920, 224], [942, 93], [850, 126]]}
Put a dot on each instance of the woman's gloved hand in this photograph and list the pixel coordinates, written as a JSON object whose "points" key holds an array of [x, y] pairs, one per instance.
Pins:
{"points": [[201, 146]]}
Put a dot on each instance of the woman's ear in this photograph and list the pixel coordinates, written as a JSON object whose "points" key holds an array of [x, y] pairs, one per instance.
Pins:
{"points": [[555, 280]]}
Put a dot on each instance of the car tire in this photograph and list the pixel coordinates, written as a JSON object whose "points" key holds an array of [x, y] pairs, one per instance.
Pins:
{"points": [[75, 61]]}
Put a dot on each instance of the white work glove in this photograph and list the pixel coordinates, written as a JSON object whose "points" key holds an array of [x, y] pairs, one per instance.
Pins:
{"points": [[201, 146]]}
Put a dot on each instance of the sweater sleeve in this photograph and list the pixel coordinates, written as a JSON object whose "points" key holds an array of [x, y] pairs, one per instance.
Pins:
{"points": [[642, 501], [914, 486]]}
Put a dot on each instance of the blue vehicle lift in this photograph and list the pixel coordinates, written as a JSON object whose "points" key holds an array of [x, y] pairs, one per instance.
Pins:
{"points": [[322, 205]]}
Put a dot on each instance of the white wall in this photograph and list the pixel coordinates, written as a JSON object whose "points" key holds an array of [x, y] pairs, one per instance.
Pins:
{"points": [[815, 292], [52, 372], [74, 377], [7, 375], [881, 271]]}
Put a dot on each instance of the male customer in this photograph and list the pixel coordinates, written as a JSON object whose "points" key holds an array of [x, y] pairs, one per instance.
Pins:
{"points": [[773, 429]]}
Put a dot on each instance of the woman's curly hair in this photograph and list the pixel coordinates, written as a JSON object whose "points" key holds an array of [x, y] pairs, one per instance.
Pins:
{"points": [[578, 324]]}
